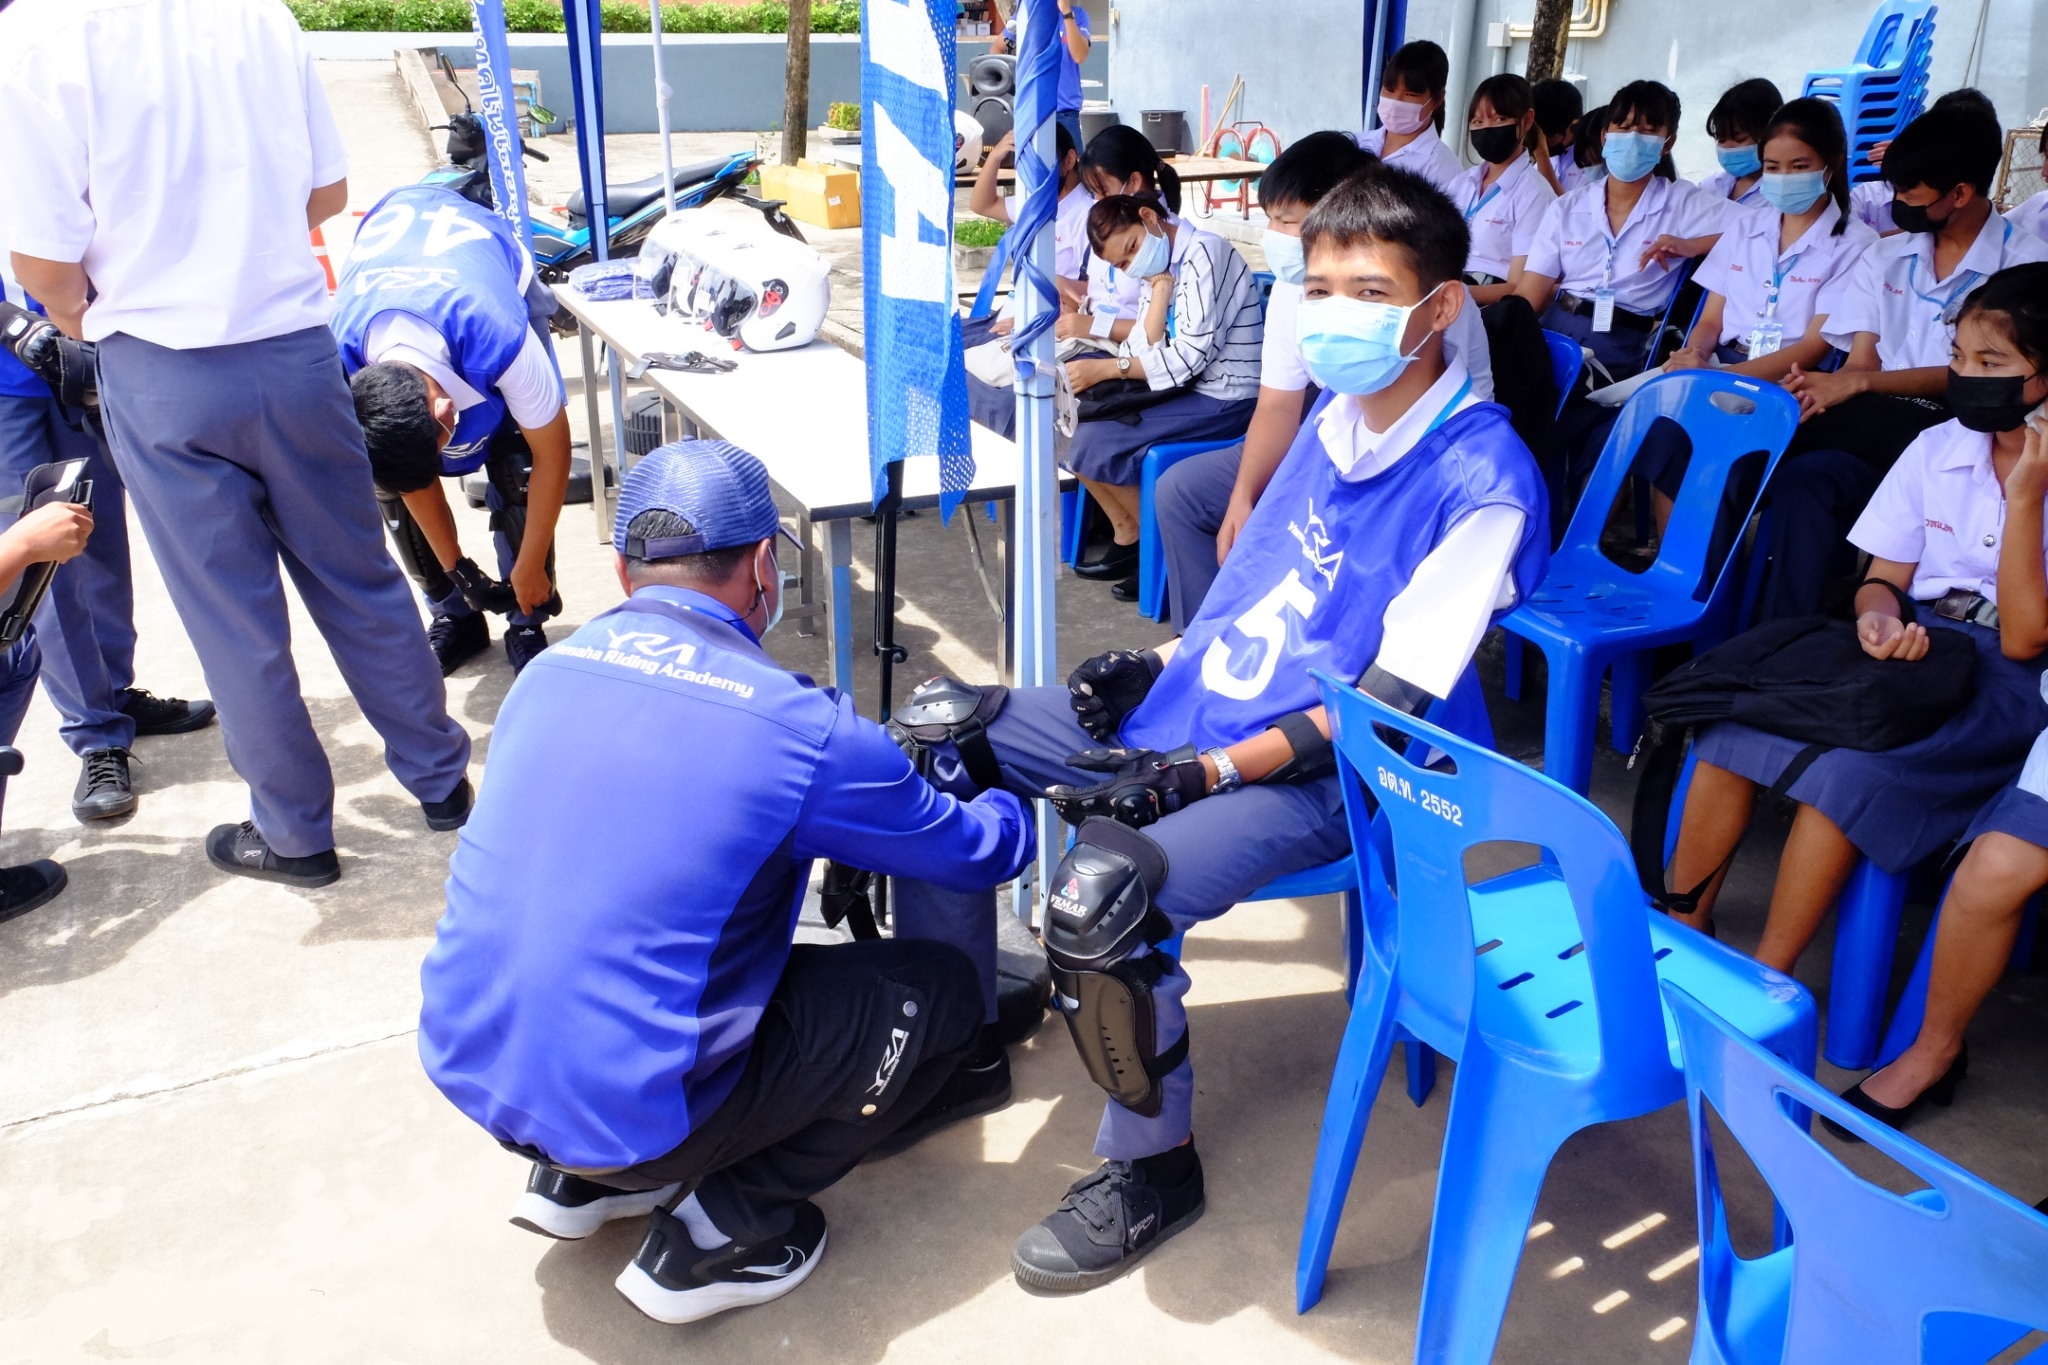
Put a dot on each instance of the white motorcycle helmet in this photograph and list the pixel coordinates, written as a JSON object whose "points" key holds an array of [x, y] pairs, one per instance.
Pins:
{"points": [[966, 143]]}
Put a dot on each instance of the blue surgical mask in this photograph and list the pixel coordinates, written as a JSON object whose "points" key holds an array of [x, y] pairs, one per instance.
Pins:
{"points": [[1739, 161], [1631, 156], [1351, 346], [1793, 192], [1152, 257], [1284, 257], [781, 595]]}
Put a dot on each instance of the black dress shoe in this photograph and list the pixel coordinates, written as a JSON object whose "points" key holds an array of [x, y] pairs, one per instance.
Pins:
{"points": [[164, 715], [241, 850], [23, 888], [1125, 590], [105, 790], [1116, 562], [1942, 1093], [452, 811]]}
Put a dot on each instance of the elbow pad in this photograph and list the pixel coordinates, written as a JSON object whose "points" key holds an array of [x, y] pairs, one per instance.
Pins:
{"points": [[1398, 693], [1313, 756]]}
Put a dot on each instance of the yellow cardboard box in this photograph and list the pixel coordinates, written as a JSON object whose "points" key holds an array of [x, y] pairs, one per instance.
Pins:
{"points": [[817, 193]]}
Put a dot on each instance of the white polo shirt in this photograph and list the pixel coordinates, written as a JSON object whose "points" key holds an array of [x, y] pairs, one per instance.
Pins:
{"points": [[1426, 156], [1745, 264], [1573, 246], [1281, 366], [1501, 217], [1893, 292], [531, 388], [1941, 510], [1720, 183], [170, 145]]}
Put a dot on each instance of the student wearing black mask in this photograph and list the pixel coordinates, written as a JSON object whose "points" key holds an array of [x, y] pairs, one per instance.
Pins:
{"points": [[1503, 197]]}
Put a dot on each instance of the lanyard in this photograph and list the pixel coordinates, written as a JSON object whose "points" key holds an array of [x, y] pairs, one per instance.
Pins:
{"points": [[1778, 279], [1481, 203], [1962, 287], [1449, 408]]}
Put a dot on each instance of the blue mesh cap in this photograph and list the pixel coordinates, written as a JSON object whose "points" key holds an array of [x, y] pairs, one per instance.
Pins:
{"points": [[715, 486]]}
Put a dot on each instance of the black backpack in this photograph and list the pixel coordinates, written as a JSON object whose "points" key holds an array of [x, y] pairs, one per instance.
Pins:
{"points": [[1807, 679]]}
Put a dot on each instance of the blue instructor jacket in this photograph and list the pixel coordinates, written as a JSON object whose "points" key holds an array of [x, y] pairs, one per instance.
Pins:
{"points": [[622, 901]]}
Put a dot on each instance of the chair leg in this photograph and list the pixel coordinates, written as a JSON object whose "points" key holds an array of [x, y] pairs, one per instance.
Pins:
{"points": [[1151, 550], [1513, 660], [1361, 1063], [1497, 1148], [1354, 937], [1571, 709], [1421, 1060], [1628, 680], [1678, 795], [1912, 1007], [1866, 935]]}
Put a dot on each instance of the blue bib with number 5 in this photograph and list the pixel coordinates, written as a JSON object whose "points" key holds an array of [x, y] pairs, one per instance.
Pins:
{"points": [[1308, 582]]}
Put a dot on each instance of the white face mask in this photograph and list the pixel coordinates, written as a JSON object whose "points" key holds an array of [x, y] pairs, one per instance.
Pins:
{"points": [[1284, 257]]}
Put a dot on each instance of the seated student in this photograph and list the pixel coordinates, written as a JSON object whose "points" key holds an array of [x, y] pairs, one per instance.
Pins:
{"points": [[442, 324], [2032, 215], [1197, 338], [1871, 201], [1411, 111], [1933, 533], [1406, 517], [995, 405], [1202, 503], [1558, 107], [1503, 197], [1764, 278], [1894, 313], [1120, 160], [613, 992], [1736, 123]]}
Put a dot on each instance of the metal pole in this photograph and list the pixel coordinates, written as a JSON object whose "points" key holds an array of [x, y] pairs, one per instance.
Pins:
{"points": [[1375, 62], [661, 92]]}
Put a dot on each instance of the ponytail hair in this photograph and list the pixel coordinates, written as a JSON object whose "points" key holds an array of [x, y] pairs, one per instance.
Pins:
{"points": [[1509, 96], [1121, 151], [1818, 124]]}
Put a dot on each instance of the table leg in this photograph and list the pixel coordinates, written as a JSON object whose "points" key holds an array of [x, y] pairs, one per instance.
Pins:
{"points": [[806, 578], [839, 555], [600, 497], [1006, 652]]}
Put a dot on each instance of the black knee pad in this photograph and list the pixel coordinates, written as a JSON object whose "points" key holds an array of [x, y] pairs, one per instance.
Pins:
{"points": [[945, 710]]}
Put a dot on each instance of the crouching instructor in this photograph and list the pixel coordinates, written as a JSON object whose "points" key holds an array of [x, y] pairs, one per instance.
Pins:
{"points": [[613, 991]]}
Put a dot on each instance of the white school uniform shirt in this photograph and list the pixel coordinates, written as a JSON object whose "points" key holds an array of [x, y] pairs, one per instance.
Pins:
{"points": [[1501, 217], [1871, 203], [1426, 156], [531, 388], [1893, 292], [1720, 183], [1281, 365], [1941, 510], [1746, 263], [1435, 623], [2032, 216], [1069, 241], [1570, 174], [1573, 247], [170, 146]]}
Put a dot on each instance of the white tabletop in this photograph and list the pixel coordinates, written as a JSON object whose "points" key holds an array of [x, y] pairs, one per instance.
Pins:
{"points": [[802, 412]]}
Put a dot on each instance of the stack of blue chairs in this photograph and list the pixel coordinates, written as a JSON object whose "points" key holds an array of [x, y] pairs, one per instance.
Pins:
{"points": [[1885, 88]]}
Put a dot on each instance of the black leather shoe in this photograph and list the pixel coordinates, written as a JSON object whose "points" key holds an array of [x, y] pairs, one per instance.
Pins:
{"points": [[458, 639], [155, 715], [1125, 590], [1116, 562], [241, 850], [1942, 1094], [452, 811], [23, 888], [105, 789]]}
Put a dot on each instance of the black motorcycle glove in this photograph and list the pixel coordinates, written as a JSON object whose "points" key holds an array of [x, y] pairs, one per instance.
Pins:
{"points": [[481, 591], [1144, 785], [1109, 687], [59, 361]]}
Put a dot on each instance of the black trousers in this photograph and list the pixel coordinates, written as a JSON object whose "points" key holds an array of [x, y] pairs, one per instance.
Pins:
{"points": [[857, 1038]]}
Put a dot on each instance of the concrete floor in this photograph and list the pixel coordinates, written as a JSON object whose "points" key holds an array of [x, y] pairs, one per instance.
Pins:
{"points": [[216, 1143]]}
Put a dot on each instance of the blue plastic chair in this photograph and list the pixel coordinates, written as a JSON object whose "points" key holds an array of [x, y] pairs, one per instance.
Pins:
{"points": [[1590, 615], [1540, 983], [1952, 1272], [1912, 1006], [1885, 86], [1567, 358], [1151, 547]]}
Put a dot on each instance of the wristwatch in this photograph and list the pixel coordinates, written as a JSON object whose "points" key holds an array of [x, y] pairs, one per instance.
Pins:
{"points": [[1227, 777], [1123, 364]]}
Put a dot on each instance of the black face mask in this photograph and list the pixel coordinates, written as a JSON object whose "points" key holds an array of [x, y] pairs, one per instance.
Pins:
{"points": [[1496, 144], [1988, 402], [1913, 217]]}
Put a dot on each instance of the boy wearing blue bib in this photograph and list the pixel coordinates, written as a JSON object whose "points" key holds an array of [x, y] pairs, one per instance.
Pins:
{"points": [[1405, 517], [442, 326]]}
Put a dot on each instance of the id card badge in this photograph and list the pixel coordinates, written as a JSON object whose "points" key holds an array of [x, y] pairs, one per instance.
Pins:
{"points": [[1767, 336], [1603, 310]]}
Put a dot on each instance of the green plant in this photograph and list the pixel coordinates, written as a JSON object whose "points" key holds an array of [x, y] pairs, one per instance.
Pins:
{"points": [[978, 232], [545, 16], [843, 116]]}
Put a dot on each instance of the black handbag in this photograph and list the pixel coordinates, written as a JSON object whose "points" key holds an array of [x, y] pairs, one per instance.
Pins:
{"points": [[1121, 400]]}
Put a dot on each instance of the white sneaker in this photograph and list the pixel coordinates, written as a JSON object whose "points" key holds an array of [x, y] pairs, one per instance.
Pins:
{"points": [[568, 1207], [673, 1280]]}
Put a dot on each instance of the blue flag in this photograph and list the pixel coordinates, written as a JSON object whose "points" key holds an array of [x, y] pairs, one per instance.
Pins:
{"points": [[917, 378], [500, 116]]}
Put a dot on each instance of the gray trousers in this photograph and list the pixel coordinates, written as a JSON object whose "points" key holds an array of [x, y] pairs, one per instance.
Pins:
{"points": [[1190, 503], [1218, 852], [241, 458], [86, 623]]}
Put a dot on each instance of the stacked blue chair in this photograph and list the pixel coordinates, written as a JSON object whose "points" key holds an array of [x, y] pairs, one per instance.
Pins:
{"points": [[1955, 1271], [1885, 87], [1590, 614], [1541, 984]]}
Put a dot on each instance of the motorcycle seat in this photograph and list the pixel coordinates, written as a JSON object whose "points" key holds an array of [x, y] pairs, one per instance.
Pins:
{"points": [[623, 201]]}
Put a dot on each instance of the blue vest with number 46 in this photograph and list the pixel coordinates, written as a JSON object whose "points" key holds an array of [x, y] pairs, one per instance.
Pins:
{"points": [[1309, 579], [427, 251]]}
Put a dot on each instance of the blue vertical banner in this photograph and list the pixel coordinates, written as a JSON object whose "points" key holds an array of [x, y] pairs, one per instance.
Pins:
{"points": [[917, 378], [499, 114]]}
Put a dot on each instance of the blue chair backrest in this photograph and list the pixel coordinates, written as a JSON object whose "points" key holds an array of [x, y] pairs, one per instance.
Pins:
{"points": [[1567, 358], [1423, 933], [1726, 417], [1262, 280], [1887, 42], [1875, 1275]]}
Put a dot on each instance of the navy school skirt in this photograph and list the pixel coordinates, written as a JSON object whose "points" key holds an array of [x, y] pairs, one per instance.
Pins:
{"points": [[1902, 805], [2013, 811], [1113, 452]]}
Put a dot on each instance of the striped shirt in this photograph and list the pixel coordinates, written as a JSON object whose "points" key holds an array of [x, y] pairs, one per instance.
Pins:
{"points": [[1216, 325]]}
